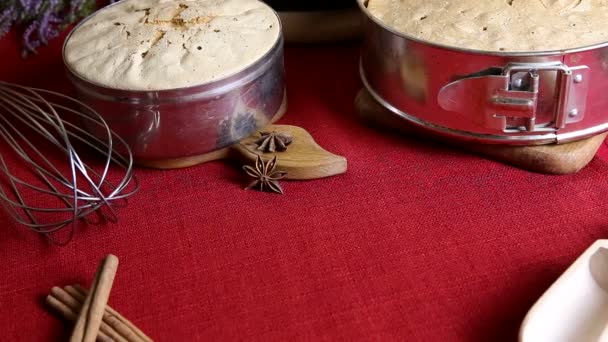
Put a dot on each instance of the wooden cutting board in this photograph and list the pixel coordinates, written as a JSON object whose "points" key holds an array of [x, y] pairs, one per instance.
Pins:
{"points": [[551, 159], [304, 159]]}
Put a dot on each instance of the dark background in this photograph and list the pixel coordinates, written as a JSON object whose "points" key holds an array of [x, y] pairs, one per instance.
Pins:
{"points": [[311, 5]]}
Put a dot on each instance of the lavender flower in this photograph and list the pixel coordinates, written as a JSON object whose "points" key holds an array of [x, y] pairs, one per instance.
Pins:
{"points": [[7, 18], [41, 20]]}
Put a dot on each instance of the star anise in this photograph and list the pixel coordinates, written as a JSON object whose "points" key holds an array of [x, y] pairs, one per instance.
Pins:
{"points": [[266, 177], [273, 141]]}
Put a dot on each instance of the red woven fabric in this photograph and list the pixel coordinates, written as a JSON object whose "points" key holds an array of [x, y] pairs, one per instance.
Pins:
{"points": [[416, 242]]}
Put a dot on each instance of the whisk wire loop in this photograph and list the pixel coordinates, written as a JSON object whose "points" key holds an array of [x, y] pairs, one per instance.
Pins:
{"points": [[71, 166]]}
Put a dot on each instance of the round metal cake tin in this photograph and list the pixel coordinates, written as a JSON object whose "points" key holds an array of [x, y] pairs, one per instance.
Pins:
{"points": [[515, 98], [173, 124]]}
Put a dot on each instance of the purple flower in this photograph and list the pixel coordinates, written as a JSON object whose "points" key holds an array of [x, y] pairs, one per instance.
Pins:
{"points": [[7, 17], [41, 20], [76, 6], [30, 6], [30, 45]]}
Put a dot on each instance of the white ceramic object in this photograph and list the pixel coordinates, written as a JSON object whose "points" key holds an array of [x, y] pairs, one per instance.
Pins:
{"points": [[575, 307]]}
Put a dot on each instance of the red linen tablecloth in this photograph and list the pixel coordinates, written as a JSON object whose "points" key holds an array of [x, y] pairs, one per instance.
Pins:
{"points": [[416, 242]]}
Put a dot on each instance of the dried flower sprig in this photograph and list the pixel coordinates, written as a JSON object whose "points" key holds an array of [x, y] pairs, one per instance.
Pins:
{"points": [[41, 20]]}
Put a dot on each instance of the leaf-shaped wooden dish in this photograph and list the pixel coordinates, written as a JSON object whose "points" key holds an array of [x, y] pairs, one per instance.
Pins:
{"points": [[304, 158]]}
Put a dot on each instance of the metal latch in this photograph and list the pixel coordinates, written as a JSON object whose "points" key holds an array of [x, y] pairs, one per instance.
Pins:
{"points": [[513, 99]]}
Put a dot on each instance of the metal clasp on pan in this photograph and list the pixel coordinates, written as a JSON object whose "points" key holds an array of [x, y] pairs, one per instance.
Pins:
{"points": [[512, 96]]}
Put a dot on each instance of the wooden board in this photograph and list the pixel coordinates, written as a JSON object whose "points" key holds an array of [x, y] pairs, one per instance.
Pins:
{"points": [[552, 159], [187, 161], [304, 158]]}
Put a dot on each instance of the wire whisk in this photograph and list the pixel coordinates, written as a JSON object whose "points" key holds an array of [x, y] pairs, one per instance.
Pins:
{"points": [[59, 161]]}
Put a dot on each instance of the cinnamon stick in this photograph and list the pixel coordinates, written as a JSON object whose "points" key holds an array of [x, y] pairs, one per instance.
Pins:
{"points": [[114, 319], [71, 315], [91, 314], [75, 305]]}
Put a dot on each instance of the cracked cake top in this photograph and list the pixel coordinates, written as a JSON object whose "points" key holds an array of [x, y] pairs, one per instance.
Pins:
{"points": [[169, 44], [498, 25]]}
